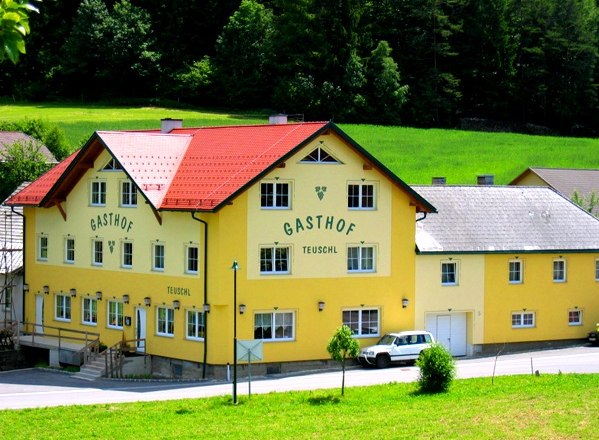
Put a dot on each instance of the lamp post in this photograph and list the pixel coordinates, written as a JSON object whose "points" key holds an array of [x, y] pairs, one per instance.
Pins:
{"points": [[235, 267]]}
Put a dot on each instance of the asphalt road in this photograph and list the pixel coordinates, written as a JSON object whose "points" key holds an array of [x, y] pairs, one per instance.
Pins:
{"points": [[34, 388]]}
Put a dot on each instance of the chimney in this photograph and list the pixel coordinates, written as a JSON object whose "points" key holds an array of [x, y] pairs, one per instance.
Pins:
{"points": [[485, 179], [277, 119], [167, 124], [439, 180]]}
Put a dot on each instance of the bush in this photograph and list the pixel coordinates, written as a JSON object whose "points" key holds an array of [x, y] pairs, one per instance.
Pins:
{"points": [[437, 369]]}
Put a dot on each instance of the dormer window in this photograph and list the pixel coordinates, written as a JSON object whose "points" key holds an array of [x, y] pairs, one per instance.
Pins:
{"points": [[319, 155]]}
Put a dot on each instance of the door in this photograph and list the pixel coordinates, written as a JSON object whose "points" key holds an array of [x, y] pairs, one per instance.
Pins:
{"points": [[450, 331], [140, 328], [444, 331], [39, 313]]}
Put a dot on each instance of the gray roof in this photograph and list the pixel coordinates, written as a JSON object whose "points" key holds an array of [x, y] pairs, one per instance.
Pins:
{"points": [[504, 219], [11, 237], [8, 138]]}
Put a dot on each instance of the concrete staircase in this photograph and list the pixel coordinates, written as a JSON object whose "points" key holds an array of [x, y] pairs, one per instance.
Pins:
{"points": [[93, 369]]}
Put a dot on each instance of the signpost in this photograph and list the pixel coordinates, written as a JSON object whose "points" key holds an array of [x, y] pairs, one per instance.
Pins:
{"points": [[248, 351]]}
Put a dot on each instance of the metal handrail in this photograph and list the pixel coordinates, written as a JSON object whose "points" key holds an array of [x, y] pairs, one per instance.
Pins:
{"points": [[114, 355]]}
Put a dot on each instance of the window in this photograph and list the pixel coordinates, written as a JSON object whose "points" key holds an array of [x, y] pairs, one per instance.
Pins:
{"points": [[69, 250], [63, 307], [274, 326], [192, 258], [158, 256], [196, 327], [362, 322], [559, 271], [274, 260], [7, 300], [449, 273], [165, 324], [596, 270], [90, 311], [515, 272], [360, 259], [42, 248], [115, 314], [523, 319], [360, 196], [97, 252], [113, 165], [274, 195], [128, 194], [319, 155], [127, 254], [98, 193], [575, 317]]}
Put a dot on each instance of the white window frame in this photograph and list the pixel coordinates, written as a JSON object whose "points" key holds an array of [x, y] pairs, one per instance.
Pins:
{"points": [[115, 311], [62, 309], [69, 248], [97, 252], [513, 279], [523, 319], [158, 261], [195, 325], [128, 194], [275, 318], [456, 273], [360, 320], [361, 197], [126, 254], [279, 196], [274, 260], [89, 308], [362, 258], [165, 325], [574, 317], [559, 274], [191, 260], [97, 194], [42, 247]]}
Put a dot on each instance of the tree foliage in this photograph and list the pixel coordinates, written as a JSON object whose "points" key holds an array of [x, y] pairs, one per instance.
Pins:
{"points": [[417, 62], [342, 346], [48, 134], [14, 27], [20, 162]]}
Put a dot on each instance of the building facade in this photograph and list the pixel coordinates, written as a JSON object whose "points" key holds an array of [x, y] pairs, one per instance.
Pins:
{"points": [[501, 267], [135, 237]]}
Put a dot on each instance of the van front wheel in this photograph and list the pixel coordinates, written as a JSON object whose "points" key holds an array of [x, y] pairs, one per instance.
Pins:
{"points": [[383, 361]]}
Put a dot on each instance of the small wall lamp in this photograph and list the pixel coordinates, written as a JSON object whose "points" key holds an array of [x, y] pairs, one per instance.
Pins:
{"points": [[99, 295], [147, 301], [321, 305], [126, 298], [206, 308], [73, 292], [404, 303], [25, 287], [176, 304], [46, 289], [241, 309]]}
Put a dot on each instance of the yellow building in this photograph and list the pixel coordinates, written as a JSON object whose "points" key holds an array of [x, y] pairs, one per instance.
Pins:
{"points": [[135, 236], [504, 267]]}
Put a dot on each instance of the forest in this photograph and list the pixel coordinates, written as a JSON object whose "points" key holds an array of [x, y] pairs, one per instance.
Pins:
{"points": [[528, 65]]}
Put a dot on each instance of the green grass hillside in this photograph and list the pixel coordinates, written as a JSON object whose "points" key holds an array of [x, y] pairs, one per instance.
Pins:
{"points": [[415, 155]]}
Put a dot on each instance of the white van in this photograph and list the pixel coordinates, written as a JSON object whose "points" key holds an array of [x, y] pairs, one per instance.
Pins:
{"points": [[396, 347]]}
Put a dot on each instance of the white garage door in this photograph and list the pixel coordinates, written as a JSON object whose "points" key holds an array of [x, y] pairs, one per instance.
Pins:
{"points": [[449, 330]]}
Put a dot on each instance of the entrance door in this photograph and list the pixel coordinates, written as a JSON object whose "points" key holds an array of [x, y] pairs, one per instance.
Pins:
{"points": [[140, 328], [39, 313]]}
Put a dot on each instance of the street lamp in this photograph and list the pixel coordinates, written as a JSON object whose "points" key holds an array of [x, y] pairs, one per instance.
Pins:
{"points": [[235, 267]]}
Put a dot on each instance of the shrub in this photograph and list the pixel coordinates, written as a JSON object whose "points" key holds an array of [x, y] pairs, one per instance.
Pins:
{"points": [[437, 369]]}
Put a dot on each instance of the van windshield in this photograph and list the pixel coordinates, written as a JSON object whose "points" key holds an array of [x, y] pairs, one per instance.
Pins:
{"points": [[386, 340]]}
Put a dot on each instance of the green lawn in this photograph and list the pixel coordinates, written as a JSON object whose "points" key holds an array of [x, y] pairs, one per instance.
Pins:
{"points": [[517, 407], [415, 155]]}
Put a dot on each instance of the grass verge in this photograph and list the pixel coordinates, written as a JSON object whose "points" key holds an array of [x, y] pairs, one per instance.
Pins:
{"points": [[523, 407]]}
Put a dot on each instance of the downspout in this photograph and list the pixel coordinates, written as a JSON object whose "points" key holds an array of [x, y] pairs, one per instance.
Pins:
{"points": [[205, 290], [421, 218], [12, 208]]}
